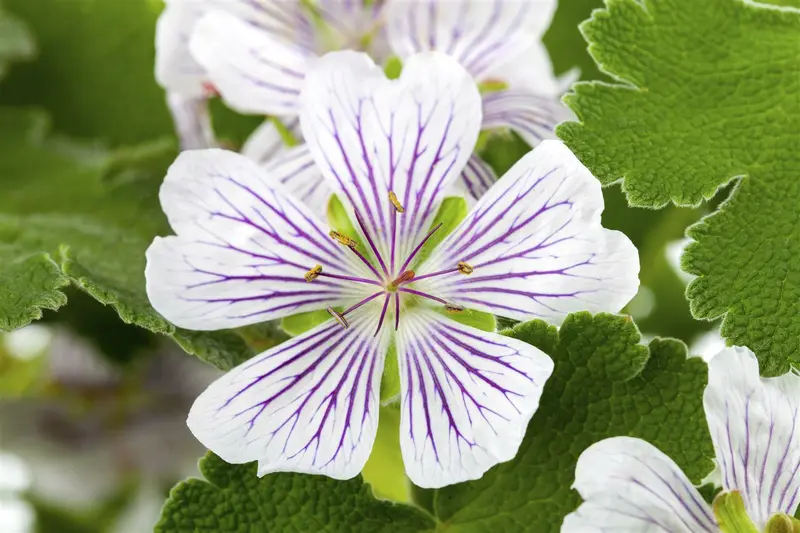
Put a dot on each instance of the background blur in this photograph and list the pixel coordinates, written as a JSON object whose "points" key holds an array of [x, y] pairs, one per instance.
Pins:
{"points": [[92, 410]]}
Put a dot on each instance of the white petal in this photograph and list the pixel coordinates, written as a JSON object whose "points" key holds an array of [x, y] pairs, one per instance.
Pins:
{"points": [[192, 121], [629, 486], [537, 246], [350, 21], [756, 434], [266, 142], [301, 177], [466, 397], [480, 34], [533, 116], [477, 178], [176, 69], [371, 135], [308, 405], [254, 70], [242, 248], [530, 70]]}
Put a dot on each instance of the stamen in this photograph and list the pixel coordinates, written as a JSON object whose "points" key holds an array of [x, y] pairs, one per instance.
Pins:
{"points": [[465, 268], [423, 294], [371, 242], [338, 316], [383, 314], [453, 308], [343, 239], [396, 203], [312, 274], [408, 275]]}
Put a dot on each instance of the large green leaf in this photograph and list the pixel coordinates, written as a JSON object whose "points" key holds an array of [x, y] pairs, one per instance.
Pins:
{"points": [[16, 41], [708, 91], [72, 215], [604, 384], [235, 500]]}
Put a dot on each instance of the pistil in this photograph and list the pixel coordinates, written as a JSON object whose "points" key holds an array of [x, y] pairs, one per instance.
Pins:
{"points": [[408, 275]]}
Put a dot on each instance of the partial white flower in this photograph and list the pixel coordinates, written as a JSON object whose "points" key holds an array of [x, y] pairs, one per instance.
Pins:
{"points": [[185, 81], [258, 55], [247, 251], [629, 485]]}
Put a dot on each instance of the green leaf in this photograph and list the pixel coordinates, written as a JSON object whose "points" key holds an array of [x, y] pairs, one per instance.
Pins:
{"points": [[89, 227], [707, 91], [16, 41], [235, 500], [98, 55], [604, 384]]}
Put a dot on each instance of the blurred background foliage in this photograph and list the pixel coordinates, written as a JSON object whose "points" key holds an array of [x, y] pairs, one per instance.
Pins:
{"points": [[85, 139]]}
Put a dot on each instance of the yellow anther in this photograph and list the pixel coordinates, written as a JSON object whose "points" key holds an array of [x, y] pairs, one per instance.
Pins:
{"points": [[465, 268], [396, 203], [338, 316], [343, 239], [453, 308], [312, 274]]}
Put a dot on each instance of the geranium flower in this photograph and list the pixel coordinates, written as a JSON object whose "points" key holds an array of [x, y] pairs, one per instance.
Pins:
{"points": [[258, 54], [629, 485], [247, 251]]}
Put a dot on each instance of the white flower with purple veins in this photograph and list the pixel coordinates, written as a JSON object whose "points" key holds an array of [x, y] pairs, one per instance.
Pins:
{"points": [[628, 485], [259, 52], [247, 251]]}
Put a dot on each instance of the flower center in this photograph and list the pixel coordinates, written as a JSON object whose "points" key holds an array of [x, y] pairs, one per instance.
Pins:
{"points": [[400, 280]]}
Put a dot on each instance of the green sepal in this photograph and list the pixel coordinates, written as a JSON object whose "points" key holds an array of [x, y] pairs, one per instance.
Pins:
{"points": [[300, 323], [731, 514], [470, 317], [781, 523], [452, 211], [286, 134], [393, 67], [492, 86], [384, 469], [390, 381]]}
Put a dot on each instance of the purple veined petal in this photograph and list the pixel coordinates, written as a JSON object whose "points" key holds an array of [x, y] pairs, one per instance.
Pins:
{"points": [[302, 178], [480, 34], [755, 427], [466, 397], [371, 135], [627, 484], [531, 70], [176, 70], [476, 178], [536, 245], [350, 20], [192, 121], [242, 248], [308, 405], [254, 70], [533, 116], [266, 142], [285, 19]]}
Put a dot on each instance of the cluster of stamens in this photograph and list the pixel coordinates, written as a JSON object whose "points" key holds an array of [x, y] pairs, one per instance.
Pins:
{"points": [[388, 288]]}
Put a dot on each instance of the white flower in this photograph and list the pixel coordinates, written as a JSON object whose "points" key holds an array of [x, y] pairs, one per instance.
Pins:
{"points": [[247, 251], [629, 485], [258, 53]]}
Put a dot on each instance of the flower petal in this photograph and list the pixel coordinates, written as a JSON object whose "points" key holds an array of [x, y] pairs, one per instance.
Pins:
{"points": [[466, 397], [242, 248], [302, 178], [477, 178], [255, 69], [371, 135], [533, 116], [756, 432], [176, 69], [266, 141], [308, 405], [532, 70], [192, 121], [536, 245], [480, 34], [629, 485]]}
